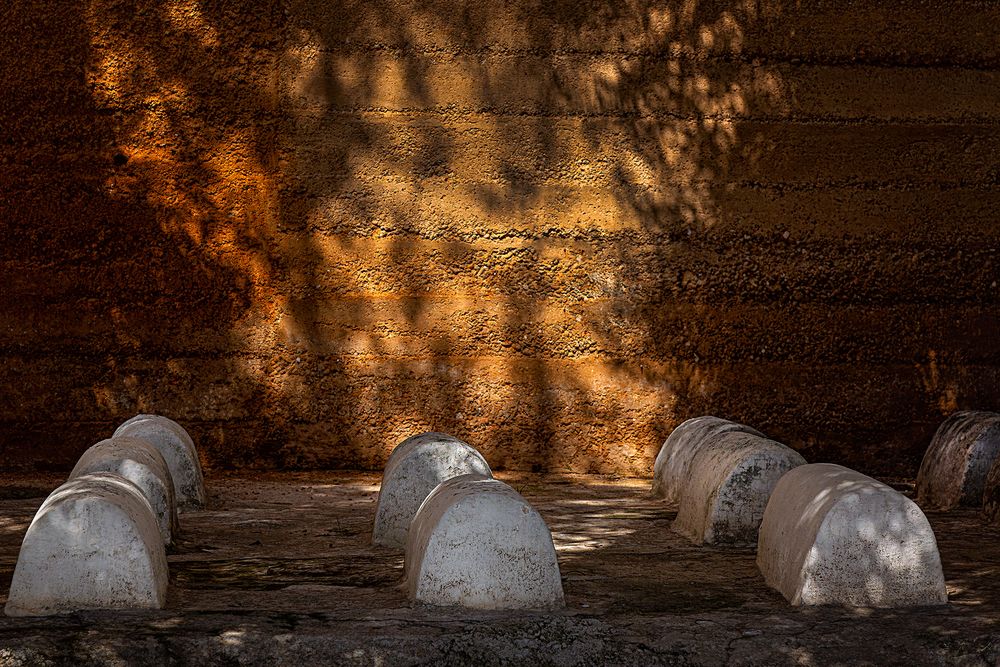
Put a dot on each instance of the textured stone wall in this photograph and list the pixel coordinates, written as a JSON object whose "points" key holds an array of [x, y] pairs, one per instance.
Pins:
{"points": [[554, 228]]}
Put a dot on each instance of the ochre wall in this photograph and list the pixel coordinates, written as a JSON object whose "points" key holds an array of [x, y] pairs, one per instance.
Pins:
{"points": [[306, 229]]}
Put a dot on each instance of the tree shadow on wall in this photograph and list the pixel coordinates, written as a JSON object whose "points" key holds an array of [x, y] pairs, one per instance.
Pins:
{"points": [[531, 225], [395, 193], [478, 189], [106, 310]]}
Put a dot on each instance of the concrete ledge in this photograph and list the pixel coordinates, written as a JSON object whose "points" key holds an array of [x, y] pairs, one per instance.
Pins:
{"points": [[142, 464], [831, 535], [728, 488], [178, 451], [415, 467], [670, 471], [954, 468], [477, 543], [93, 544]]}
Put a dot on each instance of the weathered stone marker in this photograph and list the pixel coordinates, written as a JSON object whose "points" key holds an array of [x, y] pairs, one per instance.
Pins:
{"points": [[178, 451], [991, 494], [728, 488], [142, 464], [415, 467], [954, 469], [831, 535], [671, 469], [477, 543], [93, 544]]}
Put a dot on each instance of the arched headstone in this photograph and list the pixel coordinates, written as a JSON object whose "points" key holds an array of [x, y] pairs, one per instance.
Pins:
{"points": [[477, 543], [831, 535], [670, 471], [415, 468], [93, 544], [954, 469], [728, 487], [178, 451], [142, 464]]}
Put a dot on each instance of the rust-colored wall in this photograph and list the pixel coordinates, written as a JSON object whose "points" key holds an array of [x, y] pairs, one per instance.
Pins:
{"points": [[306, 228]]}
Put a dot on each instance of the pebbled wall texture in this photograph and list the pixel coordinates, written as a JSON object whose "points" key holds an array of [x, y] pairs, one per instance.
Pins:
{"points": [[308, 229]]}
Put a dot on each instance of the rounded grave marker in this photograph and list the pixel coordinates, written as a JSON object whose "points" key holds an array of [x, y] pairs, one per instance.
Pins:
{"points": [[728, 488], [93, 544], [142, 464], [954, 468], [831, 535], [670, 471], [178, 451], [477, 543], [991, 494], [415, 468]]}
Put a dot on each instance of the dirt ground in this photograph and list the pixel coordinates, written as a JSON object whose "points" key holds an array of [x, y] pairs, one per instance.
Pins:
{"points": [[279, 570]]}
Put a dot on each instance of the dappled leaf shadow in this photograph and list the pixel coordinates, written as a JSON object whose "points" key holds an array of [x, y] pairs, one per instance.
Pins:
{"points": [[556, 229]]}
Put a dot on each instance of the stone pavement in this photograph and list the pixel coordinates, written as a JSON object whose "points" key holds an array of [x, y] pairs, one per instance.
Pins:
{"points": [[278, 569]]}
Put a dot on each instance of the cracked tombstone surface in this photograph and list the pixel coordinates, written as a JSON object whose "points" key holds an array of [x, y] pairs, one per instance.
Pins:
{"points": [[831, 535], [991, 494], [954, 468], [142, 464], [414, 469], [280, 569], [671, 468], [178, 451], [93, 544], [728, 487], [477, 543]]}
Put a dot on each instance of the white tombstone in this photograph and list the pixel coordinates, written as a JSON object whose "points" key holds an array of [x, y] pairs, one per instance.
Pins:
{"points": [[477, 543], [728, 488], [954, 469], [93, 544], [831, 535], [415, 467], [142, 464], [670, 471], [178, 451]]}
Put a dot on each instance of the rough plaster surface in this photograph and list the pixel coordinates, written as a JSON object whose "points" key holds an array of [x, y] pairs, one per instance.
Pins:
{"points": [[142, 464], [831, 535], [317, 227], [477, 543], [728, 487], [671, 470], [178, 451], [415, 468], [93, 544], [955, 465]]}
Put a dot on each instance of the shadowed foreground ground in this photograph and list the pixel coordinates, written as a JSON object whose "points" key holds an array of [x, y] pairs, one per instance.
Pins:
{"points": [[279, 570]]}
